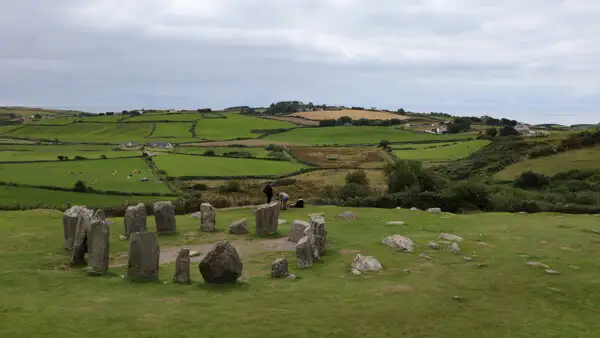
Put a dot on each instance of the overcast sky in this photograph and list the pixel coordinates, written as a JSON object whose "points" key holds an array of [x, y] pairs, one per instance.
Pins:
{"points": [[533, 60]]}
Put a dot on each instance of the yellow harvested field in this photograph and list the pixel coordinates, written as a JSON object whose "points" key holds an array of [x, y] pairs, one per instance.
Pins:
{"points": [[354, 114]]}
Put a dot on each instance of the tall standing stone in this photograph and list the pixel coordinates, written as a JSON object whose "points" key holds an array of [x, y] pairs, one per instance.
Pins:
{"points": [[317, 225], [135, 219], [297, 230], [70, 224], [304, 253], [221, 265], [208, 218], [80, 242], [182, 267], [143, 255], [267, 219], [164, 214], [99, 244]]}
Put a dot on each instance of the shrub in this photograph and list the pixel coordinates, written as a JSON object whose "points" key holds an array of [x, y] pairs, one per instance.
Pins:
{"points": [[468, 195], [80, 186], [409, 176], [357, 177], [103, 157], [531, 180], [231, 186], [199, 187], [79, 158], [350, 190], [542, 150], [210, 153]]}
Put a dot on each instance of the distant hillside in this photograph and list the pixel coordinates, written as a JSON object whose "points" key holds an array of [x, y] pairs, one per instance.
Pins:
{"points": [[14, 112]]}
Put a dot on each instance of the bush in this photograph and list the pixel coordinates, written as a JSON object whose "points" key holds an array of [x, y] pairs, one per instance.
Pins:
{"points": [[210, 153], [199, 187], [231, 186], [358, 177], [351, 190], [103, 157], [468, 195], [531, 180], [409, 176], [542, 150], [79, 158], [80, 186]]}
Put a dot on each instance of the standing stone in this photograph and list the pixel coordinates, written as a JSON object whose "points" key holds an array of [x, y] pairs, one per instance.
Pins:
{"points": [[317, 224], [70, 224], [182, 267], [304, 253], [80, 243], [99, 244], [267, 219], [239, 227], [164, 214], [279, 268], [208, 218], [222, 265], [297, 231], [135, 219], [144, 255]]}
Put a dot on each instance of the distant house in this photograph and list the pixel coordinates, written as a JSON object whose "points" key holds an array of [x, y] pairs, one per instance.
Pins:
{"points": [[441, 129], [160, 145], [523, 129], [130, 145]]}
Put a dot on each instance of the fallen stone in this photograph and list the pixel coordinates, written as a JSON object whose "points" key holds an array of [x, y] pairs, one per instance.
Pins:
{"points": [[164, 215], [450, 237], [195, 253], [239, 227], [208, 218], [81, 240], [424, 255], [467, 259], [291, 276], [70, 217], [316, 214], [366, 263], [538, 265], [182, 267], [433, 245], [319, 231], [135, 219], [415, 209], [196, 215], [123, 238], [222, 265], [99, 245], [143, 256], [574, 267], [279, 268], [552, 272], [281, 221], [395, 223], [454, 248], [297, 230], [399, 242], [346, 215], [267, 219], [356, 272], [304, 253], [434, 210]]}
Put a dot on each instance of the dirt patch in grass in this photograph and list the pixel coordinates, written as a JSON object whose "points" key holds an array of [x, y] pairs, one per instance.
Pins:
{"points": [[331, 157], [354, 114]]}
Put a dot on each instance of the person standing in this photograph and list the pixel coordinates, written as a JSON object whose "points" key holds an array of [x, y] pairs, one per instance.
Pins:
{"points": [[284, 198], [268, 190]]}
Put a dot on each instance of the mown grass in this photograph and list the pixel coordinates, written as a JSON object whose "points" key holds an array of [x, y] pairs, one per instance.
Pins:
{"points": [[54, 121], [8, 128], [19, 156], [87, 132], [356, 135], [166, 117], [445, 151], [29, 198], [105, 118], [110, 174], [412, 296], [575, 159], [235, 126], [255, 151], [189, 165], [178, 130]]}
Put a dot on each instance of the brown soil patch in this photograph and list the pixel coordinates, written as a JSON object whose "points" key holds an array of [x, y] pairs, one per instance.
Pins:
{"points": [[354, 114], [331, 157], [401, 288], [294, 120], [348, 252]]}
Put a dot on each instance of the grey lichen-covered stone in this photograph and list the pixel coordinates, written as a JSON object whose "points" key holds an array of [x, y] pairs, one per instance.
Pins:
{"points": [[135, 219], [239, 227], [279, 268], [399, 242], [182, 267], [304, 253], [346, 215], [450, 237], [395, 223], [81, 241], [319, 231], [434, 210], [366, 263], [433, 245], [267, 219], [222, 265], [164, 214], [143, 256], [208, 218], [538, 265], [454, 248], [297, 230], [70, 224], [415, 209], [99, 244]]}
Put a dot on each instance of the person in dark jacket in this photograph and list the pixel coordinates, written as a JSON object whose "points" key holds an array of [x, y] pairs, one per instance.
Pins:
{"points": [[268, 190], [299, 204]]}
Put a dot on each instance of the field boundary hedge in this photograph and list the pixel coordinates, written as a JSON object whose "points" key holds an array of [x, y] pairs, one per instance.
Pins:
{"points": [[262, 177], [88, 190], [70, 160], [243, 158]]}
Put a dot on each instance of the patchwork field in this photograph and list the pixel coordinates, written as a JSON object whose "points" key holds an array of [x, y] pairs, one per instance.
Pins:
{"points": [[294, 120], [19, 156], [356, 135], [111, 174], [177, 130], [255, 151], [165, 117], [189, 165], [576, 159], [9, 128], [339, 156], [87, 132], [354, 114], [236, 126], [440, 151], [493, 294], [54, 121]]}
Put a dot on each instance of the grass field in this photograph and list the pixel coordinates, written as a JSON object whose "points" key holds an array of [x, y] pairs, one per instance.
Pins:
{"points": [[255, 151], [235, 126], [55, 121], [105, 118], [108, 174], [178, 130], [354, 114], [87, 132], [166, 117], [411, 297], [444, 151], [356, 135], [340, 156], [32, 198], [56, 148], [188, 165], [18, 156], [576, 159], [28, 112]]}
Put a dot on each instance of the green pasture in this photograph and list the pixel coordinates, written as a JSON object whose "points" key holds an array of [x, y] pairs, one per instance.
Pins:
{"points": [[178, 130], [236, 126], [19, 156], [188, 117], [189, 165], [110, 174], [255, 151], [440, 151], [87, 132]]}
